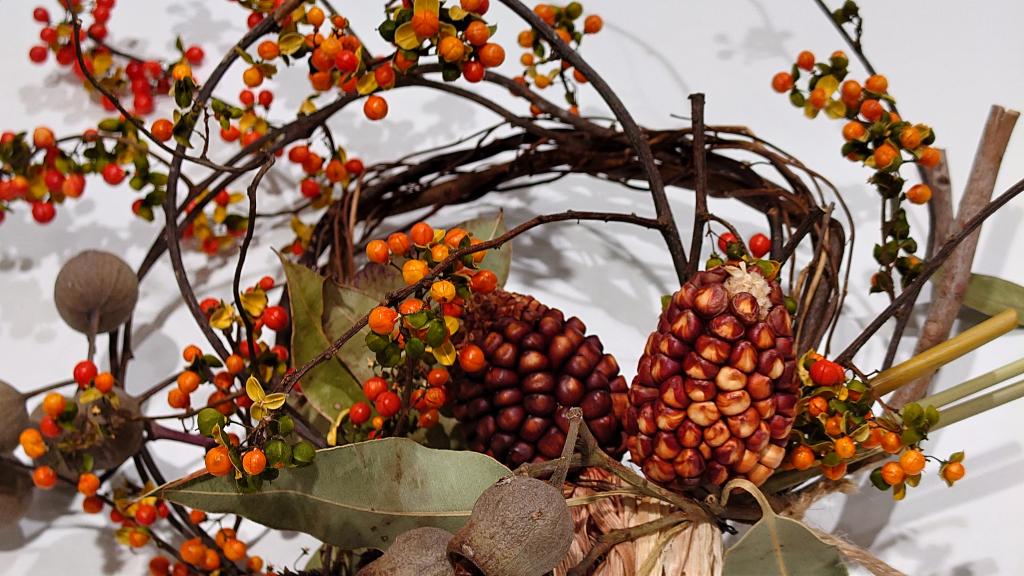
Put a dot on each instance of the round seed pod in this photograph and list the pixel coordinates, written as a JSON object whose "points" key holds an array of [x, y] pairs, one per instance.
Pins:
{"points": [[15, 494], [13, 416], [538, 366], [418, 552], [99, 284], [728, 395], [520, 526]]}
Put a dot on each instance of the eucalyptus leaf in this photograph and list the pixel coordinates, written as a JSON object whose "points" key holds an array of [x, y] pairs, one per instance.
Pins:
{"points": [[343, 306], [778, 546], [331, 386], [355, 496]]}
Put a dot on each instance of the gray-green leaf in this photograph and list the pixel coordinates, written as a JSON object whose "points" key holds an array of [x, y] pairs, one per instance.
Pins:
{"points": [[990, 295], [778, 546], [355, 496], [498, 260]]}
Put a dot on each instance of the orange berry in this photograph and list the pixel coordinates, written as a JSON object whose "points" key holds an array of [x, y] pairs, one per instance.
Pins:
{"points": [[377, 252], [192, 551], [564, 35], [853, 130], [191, 353], [818, 98], [211, 560], [218, 462], [252, 77], [816, 406], [104, 382], [44, 477], [234, 364], [398, 243], [845, 448], [802, 457], [471, 358], [88, 484], [421, 234], [382, 320], [413, 271], [592, 24], [254, 462], [92, 505], [874, 439], [429, 418], [885, 155], [223, 535], [30, 436], [255, 564], [196, 516], [138, 538], [442, 291], [891, 442], [234, 550], [437, 377], [268, 50], [877, 84], [438, 252], [892, 473], [159, 566], [375, 108], [929, 158], [483, 282], [525, 39], [546, 12], [315, 16], [181, 71], [453, 238], [162, 130], [782, 82], [834, 472], [851, 90], [410, 306], [953, 472], [578, 76], [805, 60], [834, 426], [425, 24], [910, 138], [54, 404], [871, 110], [491, 55], [912, 462], [919, 194], [477, 33], [188, 381]]}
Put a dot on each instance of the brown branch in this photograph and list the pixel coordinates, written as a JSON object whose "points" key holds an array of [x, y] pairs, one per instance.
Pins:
{"points": [[242, 252], [668, 228], [701, 215], [948, 296], [929, 269]]}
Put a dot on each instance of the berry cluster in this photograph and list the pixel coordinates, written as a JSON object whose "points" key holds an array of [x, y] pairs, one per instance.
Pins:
{"points": [[542, 64], [836, 426], [322, 178], [876, 136], [195, 554]]}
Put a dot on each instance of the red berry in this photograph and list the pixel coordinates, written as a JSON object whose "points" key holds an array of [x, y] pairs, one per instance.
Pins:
{"points": [[43, 212], [725, 239], [49, 427], [374, 387], [827, 373], [275, 318], [359, 413], [254, 19], [145, 514], [759, 245], [310, 189], [38, 54], [346, 61], [473, 71], [40, 14], [354, 166], [113, 174], [388, 404], [266, 283], [266, 97], [194, 54]]}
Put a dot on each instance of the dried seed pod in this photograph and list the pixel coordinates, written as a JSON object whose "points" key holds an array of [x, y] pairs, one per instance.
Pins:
{"points": [[739, 386], [13, 416], [95, 292], [540, 364], [15, 494], [418, 552], [520, 526]]}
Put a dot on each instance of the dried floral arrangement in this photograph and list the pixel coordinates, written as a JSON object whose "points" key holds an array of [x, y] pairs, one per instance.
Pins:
{"points": [[386, 395]]}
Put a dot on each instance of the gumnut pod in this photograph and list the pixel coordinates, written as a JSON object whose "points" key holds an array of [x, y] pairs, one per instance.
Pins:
{"points": [[418, 552], [97, 285], [520, 526], [13, 417]]}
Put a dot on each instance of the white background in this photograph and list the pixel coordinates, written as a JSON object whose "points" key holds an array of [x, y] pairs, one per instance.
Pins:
{"points": [[947, 62]]}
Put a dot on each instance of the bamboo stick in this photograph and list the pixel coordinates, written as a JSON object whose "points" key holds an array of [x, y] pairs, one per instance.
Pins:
{"points": [[935, 357], [975, 385], [980, 404]]}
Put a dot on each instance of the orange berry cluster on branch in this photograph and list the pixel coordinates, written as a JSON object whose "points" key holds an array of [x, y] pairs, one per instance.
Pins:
{"points": [[878, 137]]}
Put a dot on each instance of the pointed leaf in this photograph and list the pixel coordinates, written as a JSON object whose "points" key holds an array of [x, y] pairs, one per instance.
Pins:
{"points": [[343, 306], [358, 495], [778, 546], [498, 260], [991, 295], [376, 280], [330, 387]]}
